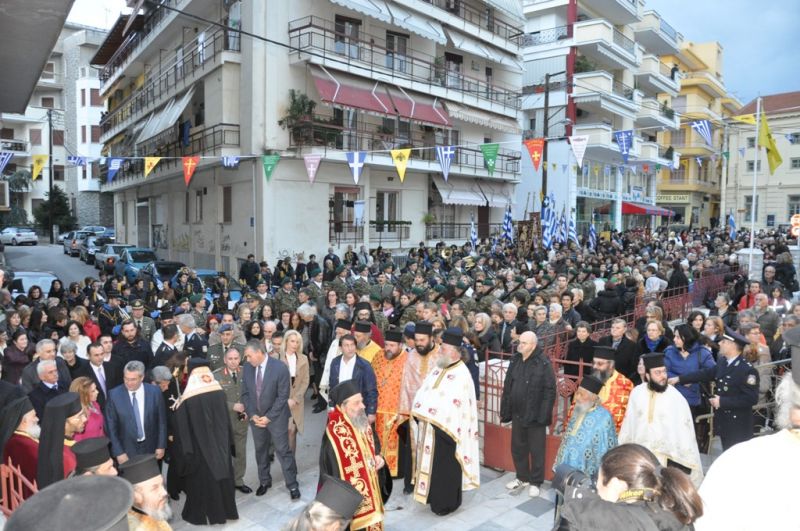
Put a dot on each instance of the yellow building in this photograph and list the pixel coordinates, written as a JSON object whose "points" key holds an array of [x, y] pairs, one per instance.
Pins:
{"points": [[692, 188]]}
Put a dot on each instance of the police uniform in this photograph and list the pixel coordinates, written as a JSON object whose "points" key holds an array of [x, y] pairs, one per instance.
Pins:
{"points": [[232, 385], [195, 346]]}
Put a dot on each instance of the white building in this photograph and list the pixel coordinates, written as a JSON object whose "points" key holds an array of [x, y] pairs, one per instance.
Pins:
{"points": [[382, 75], [603, 56]]}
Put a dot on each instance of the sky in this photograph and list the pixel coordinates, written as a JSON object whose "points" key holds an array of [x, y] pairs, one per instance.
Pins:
{"points": [[757, 37]]}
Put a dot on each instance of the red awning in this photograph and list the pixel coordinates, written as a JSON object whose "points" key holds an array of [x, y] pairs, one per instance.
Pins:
{"points": [[642, 209], [415, 106]]}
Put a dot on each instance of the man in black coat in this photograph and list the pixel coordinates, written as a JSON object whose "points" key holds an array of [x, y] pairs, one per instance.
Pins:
{"points": [[48, 387], [506, 328], [319, 336], [130, 346], [106, 375], [194, 345], [627, 354], [249, 271]]}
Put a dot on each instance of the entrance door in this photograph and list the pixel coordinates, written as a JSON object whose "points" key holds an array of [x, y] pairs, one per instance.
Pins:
{"points": [[483, 222], [386, 210], [143, 224]]}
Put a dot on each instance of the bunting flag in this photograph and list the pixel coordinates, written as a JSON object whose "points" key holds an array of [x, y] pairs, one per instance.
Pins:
{"points": [[646, 168], [746, 118], [585, 171], [5, 156], [400, 159], [189, 165], [473, 234], [741, 152], [703, 128], [230, 163], [150, 164], [766, 140], [355, 159], [445, 154], [624, 143], [553, 166], [726, 154], [508, 227], [592, 234], [699, 161], [114, 164], [579, 143], [312, 163], [596, 171], [38, 163], [269, 162], [606, 171], [658, 166], [790, 138], [74, 160], [535, 148], [731, 226], [490, 156], [573, 234], [564, 168]]}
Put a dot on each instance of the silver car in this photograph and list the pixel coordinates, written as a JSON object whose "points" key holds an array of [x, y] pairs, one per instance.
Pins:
{"points": [[18, 236], [73, 240]]}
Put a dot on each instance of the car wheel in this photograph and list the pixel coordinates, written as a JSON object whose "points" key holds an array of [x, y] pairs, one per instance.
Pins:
{"points": [[14, 242]]}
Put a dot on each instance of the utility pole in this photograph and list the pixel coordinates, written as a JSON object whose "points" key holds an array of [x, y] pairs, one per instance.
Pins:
{"points": [[50, 179], [546, 126]]}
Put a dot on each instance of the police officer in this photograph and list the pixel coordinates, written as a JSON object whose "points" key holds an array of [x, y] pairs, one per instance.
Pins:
{"points": [[736, 388], [230, 378]]}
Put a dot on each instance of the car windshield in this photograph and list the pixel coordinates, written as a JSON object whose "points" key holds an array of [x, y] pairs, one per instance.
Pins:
{"points": [[142, 256], [116, 249], [168, 270]]}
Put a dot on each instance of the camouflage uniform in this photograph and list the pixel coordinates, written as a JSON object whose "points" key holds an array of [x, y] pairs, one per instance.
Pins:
{"points": [[285, 302], [361, 286], [380, 320], [339, 286]]}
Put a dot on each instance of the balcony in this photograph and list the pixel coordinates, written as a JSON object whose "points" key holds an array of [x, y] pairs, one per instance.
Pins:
{"points": [[654, 77], [20, 148], [324, 136], [618, 12], [369, 56], [599, 92], [602, 143], [195, 61], [656, 35], [546, 36], [708, 82], [653, 113], [680, 181], [219, 139], [461, 231], [598, 40], [380, 232], [690, 143], [651, 151]]}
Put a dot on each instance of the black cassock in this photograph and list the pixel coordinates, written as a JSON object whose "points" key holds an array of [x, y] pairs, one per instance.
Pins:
{"points": [[204, 436], [328, 465], [445, 489]]}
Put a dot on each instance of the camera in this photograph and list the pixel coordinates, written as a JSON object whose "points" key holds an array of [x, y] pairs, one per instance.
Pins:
{"points": [[569, 484]]}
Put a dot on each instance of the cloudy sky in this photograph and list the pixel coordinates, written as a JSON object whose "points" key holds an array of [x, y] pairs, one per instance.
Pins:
{"points": [[759, 50]]}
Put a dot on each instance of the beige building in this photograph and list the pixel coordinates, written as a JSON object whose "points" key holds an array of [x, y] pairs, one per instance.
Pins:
{"points": [[778, 195]]}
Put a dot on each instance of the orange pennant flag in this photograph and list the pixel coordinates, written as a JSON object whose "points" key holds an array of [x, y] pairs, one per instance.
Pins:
{"points": [[189, 165], [535, 148]]}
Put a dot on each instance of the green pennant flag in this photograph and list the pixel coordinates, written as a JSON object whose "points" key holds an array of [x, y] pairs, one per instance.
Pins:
{"points": [[270, 161], [726, 154], [490, 156], [658, 166]]}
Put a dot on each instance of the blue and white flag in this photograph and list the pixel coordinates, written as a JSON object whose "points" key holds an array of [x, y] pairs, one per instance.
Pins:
{"points": [[473, 233], [114, 164], [5, 156], [573, 233], [74, 160], [508, 226], [741, 152], [355, 159], [548, 221], [592, 235], [230, 163], [445, 154], [703, 128], [624, 143], [699, 161], [561, 236], [732, 226], [790, 138]]}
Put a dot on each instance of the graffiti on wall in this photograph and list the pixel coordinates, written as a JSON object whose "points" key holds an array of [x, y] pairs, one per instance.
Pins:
{"points": [[182, 243], [160, 237]]}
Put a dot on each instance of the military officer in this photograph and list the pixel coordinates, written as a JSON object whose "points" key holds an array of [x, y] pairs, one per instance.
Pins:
{"points": [[216, 352], [109, 316], [286, 298], [339, 284], [262, 291], [315, 287], [230, 378], [194, 345], [361, 285], [383, 287], [381, 321], [199, 311], [145, 325], [485, 299]]}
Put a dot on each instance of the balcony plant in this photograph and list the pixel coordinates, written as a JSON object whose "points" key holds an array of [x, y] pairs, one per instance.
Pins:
{"points": [[583, 64], [298, 116], [429, 219], [666, 111]]}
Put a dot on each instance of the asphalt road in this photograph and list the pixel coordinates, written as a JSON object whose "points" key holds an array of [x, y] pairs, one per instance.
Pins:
{"points": [[49, 258]]}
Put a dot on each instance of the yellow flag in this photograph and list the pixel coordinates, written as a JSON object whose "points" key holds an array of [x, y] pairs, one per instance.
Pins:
{"points": [[400, 159], [766, 141], [38, 163], [150, 164], [746, 118]]}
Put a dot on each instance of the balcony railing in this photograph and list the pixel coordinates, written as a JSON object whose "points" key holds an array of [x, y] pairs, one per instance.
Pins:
{"points": [[545, 36], [340, 232], [461, 231], [668, 30], [380, 232], [14, 145], [620, 89], [324, 132], [483, 18], [320, 36], [195, 57], [623, 42]]}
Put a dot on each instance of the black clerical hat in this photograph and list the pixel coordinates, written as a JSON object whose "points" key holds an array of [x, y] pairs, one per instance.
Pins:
{"points": [[139, 469], [591, 384], [195, 362], [339, 496], [423, 327], [604, 353], [653, 361], [343, 391], [84, 502], [453, 336], [66, 404], [362, 306], [363, 327], [91, 452], [343, 323], [393, 335]]}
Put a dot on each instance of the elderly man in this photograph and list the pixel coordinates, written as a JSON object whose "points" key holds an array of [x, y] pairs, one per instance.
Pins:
{"points": [[195, 345], [319, 339], [529, 392], [348, 453], [216, 352], [616, 387], [93, 458], [507, 327], [63, 418], [627, 352], [131, 347], [150, 510], [45, 350], [590, 433], [766, 317], [367, 348], [770, 283], [230, 378], [19, 438], [48, 387], [445, 430]]}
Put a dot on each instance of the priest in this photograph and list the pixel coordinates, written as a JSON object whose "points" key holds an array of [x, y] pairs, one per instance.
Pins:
{"points": [[19, 439], [590, 433], [389, 366], [203, 435], [64, 416], [658, 417], [616, 386], [348, 453], [444, 423]]}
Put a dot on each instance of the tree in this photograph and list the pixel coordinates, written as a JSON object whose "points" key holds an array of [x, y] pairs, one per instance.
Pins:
{"points": [[19, 183], [54, 210]]}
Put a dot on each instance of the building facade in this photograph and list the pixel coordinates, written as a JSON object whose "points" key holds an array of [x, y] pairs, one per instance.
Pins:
{"points": [[355, 76], [777, 196]]}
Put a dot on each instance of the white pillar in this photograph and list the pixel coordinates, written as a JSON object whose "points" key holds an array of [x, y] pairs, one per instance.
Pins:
{"points": [[618, 201]]}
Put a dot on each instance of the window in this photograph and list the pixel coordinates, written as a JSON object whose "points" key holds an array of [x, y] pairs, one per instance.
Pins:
{"points": [[48, 103], [35, 136], [83, 97], [58, 137], [794, 205], [749, 208], [198, 206], [83, 134], [58, 172], [343, 215], [397, 51], [7, 133], [346, 36], [94, 98], [49, 71], [186, 208], [751, 164], [794, 138], [751, 141], [386, 208], [96, 133], [795, 164], [227, 204]]}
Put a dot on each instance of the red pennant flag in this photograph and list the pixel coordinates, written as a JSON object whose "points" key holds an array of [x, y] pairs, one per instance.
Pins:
{"points": [[535, 149], [646, 167], [189, 165]]}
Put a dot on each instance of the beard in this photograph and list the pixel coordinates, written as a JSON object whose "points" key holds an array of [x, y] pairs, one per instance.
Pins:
{"points": [[33, 430], [424, 351], [360, 421], [442, 362], [163, 514], [583, 407], [362, 344], [656, 387], [603, 376]]}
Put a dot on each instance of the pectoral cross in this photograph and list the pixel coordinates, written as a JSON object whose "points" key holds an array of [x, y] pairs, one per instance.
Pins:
{"points": [[355, 468]]}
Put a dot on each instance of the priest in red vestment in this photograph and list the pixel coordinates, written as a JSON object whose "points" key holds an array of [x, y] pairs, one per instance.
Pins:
{"points": [[616, 387], [63, 417], [19, 439]]}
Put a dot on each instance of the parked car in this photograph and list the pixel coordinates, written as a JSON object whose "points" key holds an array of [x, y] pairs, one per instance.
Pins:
{"points": [[132, 260], [89, 247], [23, 280], [105, 258], [60, 237], [111, 234], [73, 240], [157, 273], [209, 276], [18, 236], [97, 229]]}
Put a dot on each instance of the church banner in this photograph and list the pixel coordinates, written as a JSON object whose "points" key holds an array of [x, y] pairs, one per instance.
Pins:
{"points": [[400, 159], [490, 156], [269, 161], [535, 148], [579, 143], [189, 165], [312, 165], [149, 164]]}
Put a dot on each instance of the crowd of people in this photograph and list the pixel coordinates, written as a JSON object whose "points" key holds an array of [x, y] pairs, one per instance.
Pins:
{"points": [[105, 377]]}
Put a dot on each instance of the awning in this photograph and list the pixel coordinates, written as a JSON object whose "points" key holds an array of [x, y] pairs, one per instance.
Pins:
{"points": [[512, 8], [499, 194], [115, 37], [373, 8], [643, 209], [416, 106], [483, 118], [419, 24], [459, 191], [166, 117], [475, 47]]}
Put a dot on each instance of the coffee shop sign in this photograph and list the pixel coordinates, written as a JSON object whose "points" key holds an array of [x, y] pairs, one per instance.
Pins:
{"points": [[672, 198]]}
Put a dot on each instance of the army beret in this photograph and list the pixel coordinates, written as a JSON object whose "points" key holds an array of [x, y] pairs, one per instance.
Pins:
{"points": [[546, 277], [375, 297], [488, 282], [440, 288], [338, 269], [572, 271], [462, 285], [418, 291], [194, 299], [519, 279], [286, 280], [314, 272], [182, 300], [261, 282]]}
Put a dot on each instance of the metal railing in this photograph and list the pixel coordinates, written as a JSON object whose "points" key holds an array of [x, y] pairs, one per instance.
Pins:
{"points": [[340, 232], [14, 145], [486, 19], [195, 57], [545, 36], [665, 70], [372, 52], [668, 30], [620, 89], [381, 232], [623, 42], [461, 231]]}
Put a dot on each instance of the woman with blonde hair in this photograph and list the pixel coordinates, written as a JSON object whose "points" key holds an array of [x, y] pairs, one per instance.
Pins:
{"points": [[292, 355], [87, 390]]}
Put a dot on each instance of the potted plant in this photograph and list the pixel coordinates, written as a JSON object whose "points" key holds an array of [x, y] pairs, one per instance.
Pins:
{"points": [[298, 116], [429, 219], [583, 64]]}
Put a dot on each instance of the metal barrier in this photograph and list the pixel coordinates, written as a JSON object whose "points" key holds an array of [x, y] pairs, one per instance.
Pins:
{"points": [[14, 487]]}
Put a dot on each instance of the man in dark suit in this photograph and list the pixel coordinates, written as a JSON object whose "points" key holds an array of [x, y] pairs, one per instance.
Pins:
{"points": [[48, 387], [627, 354], [136, 418], [350, 366], [508, 325], [106, 375], [265, 395], [131, 347], [45, 350], [168, 347], [195, 345]]}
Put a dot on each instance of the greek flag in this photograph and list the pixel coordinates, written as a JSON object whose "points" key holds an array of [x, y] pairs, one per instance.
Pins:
{"points": [[562, 229], [230, 162], [732, 226], [473, 233], [592, 235], [703, 128], [548, 221], [508, 227], [573, 234], [444, 154], [74, 160], [5, 156]]}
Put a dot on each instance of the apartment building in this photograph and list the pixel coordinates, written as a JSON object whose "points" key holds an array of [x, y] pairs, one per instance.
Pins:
{"points": [[693, 189], [66, 95], [366, 76], [777, 196], [603, 57]]}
